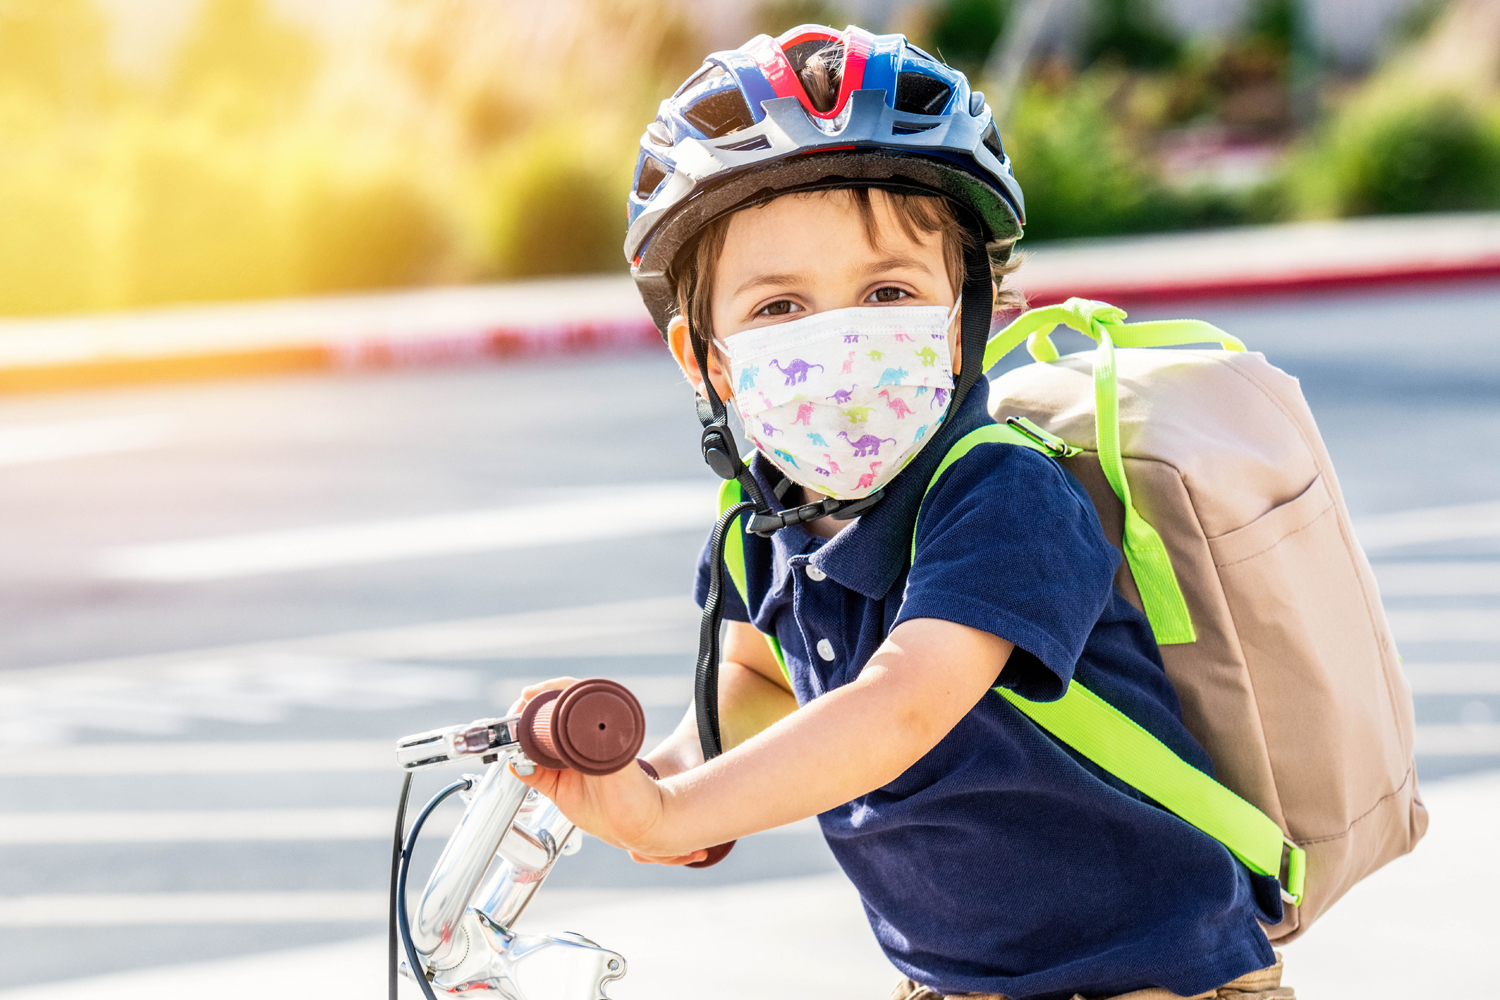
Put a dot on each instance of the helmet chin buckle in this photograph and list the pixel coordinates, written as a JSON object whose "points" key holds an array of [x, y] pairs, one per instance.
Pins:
{"points": [[718, 452], [768, 523]]}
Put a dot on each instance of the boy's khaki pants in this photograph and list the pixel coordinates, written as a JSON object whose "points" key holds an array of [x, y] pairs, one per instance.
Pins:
{"points": [[1262, 985]]}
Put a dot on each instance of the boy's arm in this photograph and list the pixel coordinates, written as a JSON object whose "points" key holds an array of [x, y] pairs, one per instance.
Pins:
{"points": [[924, 678], [753, 695]]}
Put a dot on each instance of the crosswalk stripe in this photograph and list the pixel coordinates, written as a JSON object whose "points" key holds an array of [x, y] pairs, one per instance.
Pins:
{"points": [[260, 757], [1453, 678], [1459, 740], [1460, 522], [183, 826], [1455, 578], [51, 442], [157, 908], [251, 757], [586, 515], [1446, 625]]}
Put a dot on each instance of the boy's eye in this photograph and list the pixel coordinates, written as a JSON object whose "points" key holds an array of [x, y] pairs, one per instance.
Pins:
{"points": [[890, 293], [781, 307]]}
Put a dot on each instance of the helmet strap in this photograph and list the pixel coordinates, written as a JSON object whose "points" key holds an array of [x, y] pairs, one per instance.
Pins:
{"points": [[722, 455], [978, 299]]}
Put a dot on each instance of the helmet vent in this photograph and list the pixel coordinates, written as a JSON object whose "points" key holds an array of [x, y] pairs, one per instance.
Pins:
{"points": [[651, 174], [991, 141], [720, 114], [747, 145], [799, 54], [920, 94], [710, 72], [912, 128]]}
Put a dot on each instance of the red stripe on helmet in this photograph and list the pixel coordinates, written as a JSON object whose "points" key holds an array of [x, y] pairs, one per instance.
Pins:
{"points": [[768, 55]]}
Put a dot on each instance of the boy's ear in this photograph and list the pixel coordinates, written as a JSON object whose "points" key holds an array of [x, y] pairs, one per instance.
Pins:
{"points": [[680, 340]]}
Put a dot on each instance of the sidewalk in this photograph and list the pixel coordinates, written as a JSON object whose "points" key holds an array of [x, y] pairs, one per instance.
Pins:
{"points": [[1421, 927], [573, 316]]}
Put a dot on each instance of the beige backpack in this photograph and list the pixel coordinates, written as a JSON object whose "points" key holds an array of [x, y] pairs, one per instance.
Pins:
{"points": [[1265, 607]]}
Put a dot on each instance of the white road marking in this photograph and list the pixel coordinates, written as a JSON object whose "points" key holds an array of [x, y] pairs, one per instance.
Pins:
{"points": [[173, 758], [52, 442], [1459, 740], [251, 757], [185, 826], [1434, 524], [592, 515], [1453, 678], [182, 826], [1438, 579], [163, 694], [107, 909], [1446, 625]]}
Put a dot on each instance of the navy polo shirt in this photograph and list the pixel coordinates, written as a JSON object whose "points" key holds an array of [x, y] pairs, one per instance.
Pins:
{"points": [[1002, 861]]}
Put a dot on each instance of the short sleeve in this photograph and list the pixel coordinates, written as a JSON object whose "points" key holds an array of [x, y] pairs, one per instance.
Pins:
{"points": [[1008, 543], [733, 603]]}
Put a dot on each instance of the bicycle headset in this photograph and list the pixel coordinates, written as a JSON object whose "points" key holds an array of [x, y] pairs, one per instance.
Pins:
{"points": [[742, 131]]}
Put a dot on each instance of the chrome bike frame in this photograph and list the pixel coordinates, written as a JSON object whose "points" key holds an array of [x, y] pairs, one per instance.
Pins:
{"points": [[492, 866]]}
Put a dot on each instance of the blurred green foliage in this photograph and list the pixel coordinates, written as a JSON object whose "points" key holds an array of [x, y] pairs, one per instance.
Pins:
{"points": [[775, 16], [1084, 175], [542, 188], [1130, 32], [963, 31], [1437, 152]]}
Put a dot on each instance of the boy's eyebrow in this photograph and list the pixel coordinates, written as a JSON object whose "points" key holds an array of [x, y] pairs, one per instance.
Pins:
{"points": [[896, 263], [769, 280], [782, 280]]}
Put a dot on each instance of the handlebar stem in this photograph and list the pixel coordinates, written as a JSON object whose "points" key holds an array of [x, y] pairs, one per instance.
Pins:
{"points": [[464, 860]]}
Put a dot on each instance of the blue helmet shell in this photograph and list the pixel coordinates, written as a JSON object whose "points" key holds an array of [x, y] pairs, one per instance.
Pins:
{"points": [[742, 129]]}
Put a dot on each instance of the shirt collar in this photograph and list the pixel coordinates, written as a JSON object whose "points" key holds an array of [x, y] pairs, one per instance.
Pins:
{"points": [[870, 554]]}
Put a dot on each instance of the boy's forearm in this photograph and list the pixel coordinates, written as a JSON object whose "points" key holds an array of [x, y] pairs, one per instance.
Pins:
{"points": [[855, 739]]}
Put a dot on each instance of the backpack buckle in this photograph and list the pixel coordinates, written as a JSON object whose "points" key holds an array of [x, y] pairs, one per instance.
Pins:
{"points": [[1051, 443], [1296, 873]]}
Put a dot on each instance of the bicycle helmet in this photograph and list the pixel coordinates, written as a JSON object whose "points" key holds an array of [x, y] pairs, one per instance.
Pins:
{"points": [[743, 130]]}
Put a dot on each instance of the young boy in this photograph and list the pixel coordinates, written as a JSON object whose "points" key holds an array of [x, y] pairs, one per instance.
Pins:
{"points": [[824, 270]]}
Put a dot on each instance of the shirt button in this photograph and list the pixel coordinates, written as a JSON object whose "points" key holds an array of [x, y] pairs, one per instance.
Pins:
{"points": [[815, 575], [825, 649]]}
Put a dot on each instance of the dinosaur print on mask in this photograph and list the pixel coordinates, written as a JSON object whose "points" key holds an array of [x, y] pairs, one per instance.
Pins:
{"points": [[853, 406], [796, 371]]}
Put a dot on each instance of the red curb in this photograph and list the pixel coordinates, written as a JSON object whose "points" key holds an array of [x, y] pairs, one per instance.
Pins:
{"points": [[578, 338], [1270, 285]]}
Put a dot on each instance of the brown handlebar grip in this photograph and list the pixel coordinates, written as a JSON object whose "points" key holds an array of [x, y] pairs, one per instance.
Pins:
{"points": [[716, 854], [594, 727]]}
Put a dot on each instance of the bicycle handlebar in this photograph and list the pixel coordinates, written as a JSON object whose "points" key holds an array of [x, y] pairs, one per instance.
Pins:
{"points": [[595, 727]]}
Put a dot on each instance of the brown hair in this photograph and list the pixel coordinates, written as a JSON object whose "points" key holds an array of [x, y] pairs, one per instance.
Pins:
{"points": [[917, 215]]}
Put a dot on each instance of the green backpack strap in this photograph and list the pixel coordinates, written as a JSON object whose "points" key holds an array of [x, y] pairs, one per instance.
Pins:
{"points": [[1165, 607], [734, 561], [1115, 742]]}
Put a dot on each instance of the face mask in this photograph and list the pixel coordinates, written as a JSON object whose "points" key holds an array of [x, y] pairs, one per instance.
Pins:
{"points": [[841, 401]]}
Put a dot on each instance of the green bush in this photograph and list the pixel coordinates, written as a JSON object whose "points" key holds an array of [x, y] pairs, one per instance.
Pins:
{"points": [[1426, 153], [963, 31], [553, 209], [1083, 175]]}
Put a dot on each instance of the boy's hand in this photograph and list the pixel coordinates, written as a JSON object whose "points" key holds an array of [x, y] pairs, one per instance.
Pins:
{"points": [[624, 809]]}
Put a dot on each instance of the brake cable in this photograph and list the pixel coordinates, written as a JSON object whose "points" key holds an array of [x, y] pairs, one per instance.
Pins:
{"points": [[400, 863]]}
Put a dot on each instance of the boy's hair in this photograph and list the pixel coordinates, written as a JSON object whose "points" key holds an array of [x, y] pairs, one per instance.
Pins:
{"points": [[917, 215]]}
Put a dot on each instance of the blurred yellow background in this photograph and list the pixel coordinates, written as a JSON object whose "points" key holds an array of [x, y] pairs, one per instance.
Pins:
{"points": [[157, 151], [419, 142]]}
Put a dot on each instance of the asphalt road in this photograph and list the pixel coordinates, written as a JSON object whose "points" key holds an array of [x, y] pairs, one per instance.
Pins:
{"points": [[219, 602]]}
